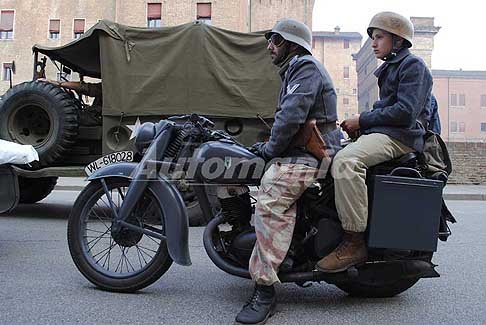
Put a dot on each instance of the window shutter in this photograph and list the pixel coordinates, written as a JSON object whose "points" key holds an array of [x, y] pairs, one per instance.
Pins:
{"points": [[204, 10], [54, 25], [79, 25], [483, 100], [154, 10], [6, 21]]}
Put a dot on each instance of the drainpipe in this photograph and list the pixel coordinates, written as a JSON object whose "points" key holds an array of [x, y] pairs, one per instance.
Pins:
{"points": [[249, 16], [448, 111]]}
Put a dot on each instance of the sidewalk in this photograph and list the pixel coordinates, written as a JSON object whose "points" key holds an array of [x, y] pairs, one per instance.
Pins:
{"points": [[451, 192]]}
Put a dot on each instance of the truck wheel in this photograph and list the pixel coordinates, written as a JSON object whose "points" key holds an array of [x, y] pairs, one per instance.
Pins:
{"points": [[33, 190], [42, 115]]}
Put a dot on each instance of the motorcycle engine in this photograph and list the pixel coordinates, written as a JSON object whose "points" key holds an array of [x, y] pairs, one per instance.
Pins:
{"points": [[236, 206]]}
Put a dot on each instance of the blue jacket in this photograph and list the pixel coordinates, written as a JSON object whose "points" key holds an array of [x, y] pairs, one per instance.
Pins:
{"points": [[306, 92], [405, 85], [433, 116]]}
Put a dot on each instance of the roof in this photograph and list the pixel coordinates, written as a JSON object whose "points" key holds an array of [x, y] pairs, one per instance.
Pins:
{"points": [[460, 74], [339, 35]]}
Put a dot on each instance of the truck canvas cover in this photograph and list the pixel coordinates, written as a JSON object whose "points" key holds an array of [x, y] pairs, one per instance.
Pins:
{"points": [[191, 68]]}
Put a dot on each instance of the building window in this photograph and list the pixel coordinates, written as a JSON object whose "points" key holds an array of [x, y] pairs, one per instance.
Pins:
{"points": [[483, 101], [345, 101], [78, 28], [453, 126], [154, 15], [6, 71], [54, 28], [354, 91], [346, 44], [453, 99], [204, 12], [6, 24], [462, 100], [346, 73], [483, 127], [458, 100], [462, 127], [337, 90]]}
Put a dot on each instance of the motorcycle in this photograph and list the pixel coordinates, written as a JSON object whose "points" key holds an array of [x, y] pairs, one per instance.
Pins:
{"points": [[129, 224]]}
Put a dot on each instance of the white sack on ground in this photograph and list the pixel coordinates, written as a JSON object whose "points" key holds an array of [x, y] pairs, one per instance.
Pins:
{"points": [[14, 153]]}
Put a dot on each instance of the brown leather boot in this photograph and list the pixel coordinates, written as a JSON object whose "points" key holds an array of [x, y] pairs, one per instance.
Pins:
{"points": [[351, 251]]}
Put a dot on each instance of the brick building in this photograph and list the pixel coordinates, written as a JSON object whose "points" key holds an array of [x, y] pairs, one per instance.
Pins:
{"points": [[334, 50], [24, 23], [366, 63], [461, 96]]}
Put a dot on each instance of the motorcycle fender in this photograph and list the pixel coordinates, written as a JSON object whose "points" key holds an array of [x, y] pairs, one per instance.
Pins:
{"points": [[176, 219], [173, 208], [124, 169]]}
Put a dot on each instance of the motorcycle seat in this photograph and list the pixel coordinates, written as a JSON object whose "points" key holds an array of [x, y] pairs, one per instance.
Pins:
{"points": [[409, 160]]}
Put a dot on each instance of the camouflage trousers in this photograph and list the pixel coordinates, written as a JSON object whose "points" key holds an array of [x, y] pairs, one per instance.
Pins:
{"points": [[275, 216]]}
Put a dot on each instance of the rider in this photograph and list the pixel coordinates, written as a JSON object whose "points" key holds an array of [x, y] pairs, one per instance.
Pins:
{"points": [[306, 93], [394, 127]]}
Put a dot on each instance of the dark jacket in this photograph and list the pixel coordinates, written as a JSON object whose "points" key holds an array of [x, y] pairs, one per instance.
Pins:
{"points": [[433, 118], [405, 84], [306, 92]]}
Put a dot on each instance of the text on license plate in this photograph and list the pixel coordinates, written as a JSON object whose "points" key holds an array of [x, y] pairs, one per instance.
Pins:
{"points": [[108, 159]]}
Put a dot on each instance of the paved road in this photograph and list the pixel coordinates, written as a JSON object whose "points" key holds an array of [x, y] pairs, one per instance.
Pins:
{"points": [[39, 283]]}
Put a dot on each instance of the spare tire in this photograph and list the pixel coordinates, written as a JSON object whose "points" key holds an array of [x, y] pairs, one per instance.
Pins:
{"points": [[33, 190], [42, 115]]}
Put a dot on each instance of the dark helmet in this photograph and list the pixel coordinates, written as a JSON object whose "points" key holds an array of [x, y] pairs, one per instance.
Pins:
{"points": [[293, 31]]}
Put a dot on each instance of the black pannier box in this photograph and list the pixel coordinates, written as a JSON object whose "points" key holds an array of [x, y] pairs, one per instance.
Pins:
{"points": [[404, 213]]}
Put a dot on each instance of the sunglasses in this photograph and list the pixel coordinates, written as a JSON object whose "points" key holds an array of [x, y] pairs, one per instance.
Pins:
{"points": [[276, 40]]}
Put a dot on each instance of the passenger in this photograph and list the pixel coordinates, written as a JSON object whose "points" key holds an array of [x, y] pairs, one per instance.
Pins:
{"points": [[391, 129]]}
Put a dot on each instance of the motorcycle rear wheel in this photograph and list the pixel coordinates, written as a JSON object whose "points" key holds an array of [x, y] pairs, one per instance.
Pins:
{"points": [[124, 262], [379, 289], [376, 290]]}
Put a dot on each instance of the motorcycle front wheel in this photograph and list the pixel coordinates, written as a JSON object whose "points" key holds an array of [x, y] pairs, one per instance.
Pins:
{"points": [[125, 261]]}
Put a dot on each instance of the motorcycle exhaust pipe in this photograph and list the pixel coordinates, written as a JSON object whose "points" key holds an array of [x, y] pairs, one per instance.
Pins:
{"points": [[213, 254]]}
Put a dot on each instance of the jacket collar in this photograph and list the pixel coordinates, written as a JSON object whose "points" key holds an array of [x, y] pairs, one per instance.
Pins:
{"points": [[402, 54]]}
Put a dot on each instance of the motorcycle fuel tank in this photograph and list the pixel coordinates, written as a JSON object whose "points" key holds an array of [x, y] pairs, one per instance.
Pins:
{"points": [[225, 162]]}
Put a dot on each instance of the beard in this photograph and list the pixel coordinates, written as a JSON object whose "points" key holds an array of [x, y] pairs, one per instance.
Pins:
{"points": [[281, 56]]}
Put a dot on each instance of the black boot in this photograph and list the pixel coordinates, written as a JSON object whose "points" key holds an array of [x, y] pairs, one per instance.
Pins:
{"points": [[259, 307]]}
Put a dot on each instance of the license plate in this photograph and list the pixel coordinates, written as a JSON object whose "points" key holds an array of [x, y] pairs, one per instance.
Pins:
{"points": [[109, 159]]}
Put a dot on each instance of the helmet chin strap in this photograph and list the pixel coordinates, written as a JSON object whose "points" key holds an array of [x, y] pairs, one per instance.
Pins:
{"points": [[395, 48]]}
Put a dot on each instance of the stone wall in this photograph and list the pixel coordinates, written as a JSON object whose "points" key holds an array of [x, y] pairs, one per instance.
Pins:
{"points": [[468, 162]]}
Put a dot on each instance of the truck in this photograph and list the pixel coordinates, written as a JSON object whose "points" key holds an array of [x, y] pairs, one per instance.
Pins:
{"points": [[146, 74]]}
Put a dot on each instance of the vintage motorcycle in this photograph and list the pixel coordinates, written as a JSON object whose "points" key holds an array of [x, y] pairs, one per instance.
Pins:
{"points": [[129, 223]]}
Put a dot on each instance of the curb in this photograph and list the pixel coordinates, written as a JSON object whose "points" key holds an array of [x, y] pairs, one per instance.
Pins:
{"points": [[77, 188], [464, 197], [446, 196]]}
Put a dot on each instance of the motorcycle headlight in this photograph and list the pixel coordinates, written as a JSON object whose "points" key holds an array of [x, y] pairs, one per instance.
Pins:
{"points": [[145, 135]]}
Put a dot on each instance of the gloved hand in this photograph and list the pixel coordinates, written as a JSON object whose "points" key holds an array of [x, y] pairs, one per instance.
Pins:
{"points": [[259, 149]]}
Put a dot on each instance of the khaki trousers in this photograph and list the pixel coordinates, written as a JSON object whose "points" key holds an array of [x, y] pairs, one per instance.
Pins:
{"points": [[349, 172], [275, 216]]}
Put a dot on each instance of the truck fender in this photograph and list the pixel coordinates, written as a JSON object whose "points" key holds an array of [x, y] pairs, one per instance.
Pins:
{"points": [[171, 202]]}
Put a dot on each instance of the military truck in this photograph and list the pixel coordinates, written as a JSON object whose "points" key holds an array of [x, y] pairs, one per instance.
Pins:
{"points": [[146, 75]]}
